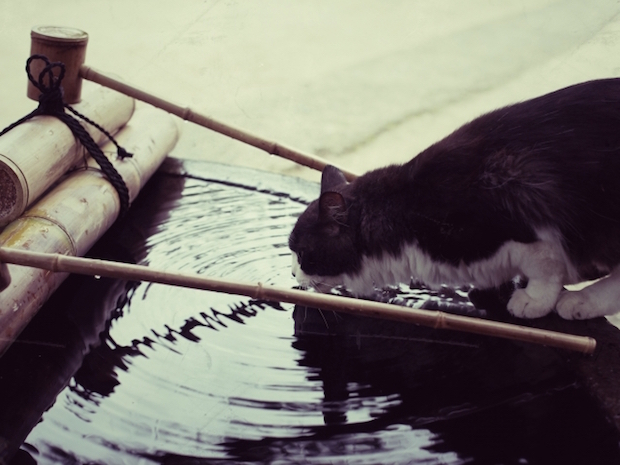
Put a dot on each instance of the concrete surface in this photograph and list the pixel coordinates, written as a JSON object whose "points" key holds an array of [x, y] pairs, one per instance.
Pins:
{"points": [[361, 82]]}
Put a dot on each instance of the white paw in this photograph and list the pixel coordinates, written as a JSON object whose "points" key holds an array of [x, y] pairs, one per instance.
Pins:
{"points": [[576, 305], [522, 305]]}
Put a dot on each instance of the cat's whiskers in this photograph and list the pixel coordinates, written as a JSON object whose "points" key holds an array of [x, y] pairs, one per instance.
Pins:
{"points": [[324, 319], [321, 286]]}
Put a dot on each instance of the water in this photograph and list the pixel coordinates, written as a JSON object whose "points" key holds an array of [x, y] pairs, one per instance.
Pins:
{"points": [[144, 373]]}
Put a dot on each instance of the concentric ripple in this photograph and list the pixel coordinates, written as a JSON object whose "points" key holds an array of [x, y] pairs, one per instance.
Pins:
{"points": [[203, 366], [183, 376]]}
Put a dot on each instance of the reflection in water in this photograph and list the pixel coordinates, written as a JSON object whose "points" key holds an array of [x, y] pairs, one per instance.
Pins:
{"points": [[146, 373], [491, 401]]}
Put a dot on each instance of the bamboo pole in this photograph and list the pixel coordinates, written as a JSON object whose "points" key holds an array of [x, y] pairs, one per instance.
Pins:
{"points": [[188, 114], [434, 319]]}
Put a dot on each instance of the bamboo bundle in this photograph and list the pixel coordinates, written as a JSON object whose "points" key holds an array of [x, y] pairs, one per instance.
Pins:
{"points": [[37, 152], [73, 215], [434, 319]]}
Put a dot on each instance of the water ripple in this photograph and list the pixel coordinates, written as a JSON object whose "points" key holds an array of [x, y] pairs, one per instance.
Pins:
{"points": [[188, 376]]}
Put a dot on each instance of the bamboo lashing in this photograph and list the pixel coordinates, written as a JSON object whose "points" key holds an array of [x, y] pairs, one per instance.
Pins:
{"points": [[73, 215], [188, 114], [434, 319], [37, 152]]}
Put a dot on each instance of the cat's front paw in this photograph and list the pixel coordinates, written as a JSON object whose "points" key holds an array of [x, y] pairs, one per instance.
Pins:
{"points": [[523, 305], [579, 305]]}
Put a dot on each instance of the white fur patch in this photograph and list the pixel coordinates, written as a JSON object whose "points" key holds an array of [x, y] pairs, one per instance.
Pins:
{"points": [[600, 298], [543, 262]]}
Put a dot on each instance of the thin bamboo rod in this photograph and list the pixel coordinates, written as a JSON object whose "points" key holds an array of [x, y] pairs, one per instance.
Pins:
{"points": [[434, 319], [188, 114]]}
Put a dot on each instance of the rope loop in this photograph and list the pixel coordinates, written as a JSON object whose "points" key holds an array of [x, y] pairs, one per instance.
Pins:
{"points": [[51, 102], [47, 71]]}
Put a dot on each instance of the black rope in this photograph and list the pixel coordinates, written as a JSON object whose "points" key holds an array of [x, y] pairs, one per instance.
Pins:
{"points": [[51, 103]]}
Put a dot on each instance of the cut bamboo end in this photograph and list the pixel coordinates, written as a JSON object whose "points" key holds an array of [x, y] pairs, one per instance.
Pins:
{"points": [[13, 190], [5, 276], [433, 319]]}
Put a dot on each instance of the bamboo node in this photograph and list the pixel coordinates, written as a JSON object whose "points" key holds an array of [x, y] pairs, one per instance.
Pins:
{"points": [[186, 114], [275, 149], [440, 320], [260, 293], [55, 263]]}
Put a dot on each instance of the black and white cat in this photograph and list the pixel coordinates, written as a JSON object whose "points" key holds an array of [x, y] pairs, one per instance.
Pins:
{"points": [[530, 190]]}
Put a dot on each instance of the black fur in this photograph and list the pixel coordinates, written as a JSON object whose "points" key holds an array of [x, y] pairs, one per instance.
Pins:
{"points": [[552, 161]]}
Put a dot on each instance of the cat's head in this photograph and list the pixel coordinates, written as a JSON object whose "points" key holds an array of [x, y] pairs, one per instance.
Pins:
{"points": [[323, 240]]}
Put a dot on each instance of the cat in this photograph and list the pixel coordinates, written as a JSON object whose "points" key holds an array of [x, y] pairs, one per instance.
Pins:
{"points": [[531, 190]]}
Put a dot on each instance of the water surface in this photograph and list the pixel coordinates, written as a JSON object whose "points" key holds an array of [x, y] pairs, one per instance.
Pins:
{"points": [[146, 373]]}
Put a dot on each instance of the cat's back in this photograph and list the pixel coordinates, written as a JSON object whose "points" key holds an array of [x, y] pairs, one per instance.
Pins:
{"points": [[579, 121], [550, 162]]}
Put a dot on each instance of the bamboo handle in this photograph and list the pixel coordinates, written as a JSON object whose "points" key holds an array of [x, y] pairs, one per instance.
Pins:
{"points": [[434, 319], [188, 114]]}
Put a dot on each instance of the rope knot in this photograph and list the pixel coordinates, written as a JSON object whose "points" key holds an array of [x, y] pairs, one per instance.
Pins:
{"points": [[53, 82], [51, 103], [51, 99]]}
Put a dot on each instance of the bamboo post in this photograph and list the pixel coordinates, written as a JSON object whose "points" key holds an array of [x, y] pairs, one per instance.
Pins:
{"points": [[434, 319], [59, 44], [74, 215], [36, 153], [188, 114]]}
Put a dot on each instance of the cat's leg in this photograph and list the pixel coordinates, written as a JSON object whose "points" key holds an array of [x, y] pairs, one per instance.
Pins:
{"points": [[543, 264], [536, 300], [598, 299]]}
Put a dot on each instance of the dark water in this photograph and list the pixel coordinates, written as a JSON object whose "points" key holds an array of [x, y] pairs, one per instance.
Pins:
{"points": [[145, 374]]}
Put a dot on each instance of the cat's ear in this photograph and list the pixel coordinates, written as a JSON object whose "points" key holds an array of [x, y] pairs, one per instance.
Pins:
{"points": [[331, 178], [332, 208]]}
